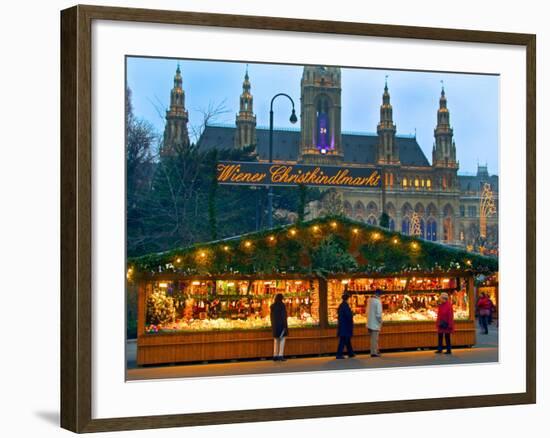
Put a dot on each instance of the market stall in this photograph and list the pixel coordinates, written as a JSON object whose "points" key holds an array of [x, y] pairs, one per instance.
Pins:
{"points": [[211, 301]]}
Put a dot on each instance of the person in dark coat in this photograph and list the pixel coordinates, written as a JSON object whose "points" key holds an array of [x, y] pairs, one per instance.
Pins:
{"points": [[279, 326], [345, 328], [444, 323]]}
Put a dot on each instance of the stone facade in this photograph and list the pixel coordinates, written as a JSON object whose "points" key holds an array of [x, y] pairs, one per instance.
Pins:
{"points": [[431, 199]]}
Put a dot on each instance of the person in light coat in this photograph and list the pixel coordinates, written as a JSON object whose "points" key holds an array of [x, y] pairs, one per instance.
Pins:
{"points": [[374, 321]]}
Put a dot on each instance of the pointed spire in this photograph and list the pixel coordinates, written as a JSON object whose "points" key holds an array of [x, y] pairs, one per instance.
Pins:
{"points": [[443, 98], [177, 78], [176, 135], [246, 120], [445, 151], [388, 151], [386, 95], [246, 82]]}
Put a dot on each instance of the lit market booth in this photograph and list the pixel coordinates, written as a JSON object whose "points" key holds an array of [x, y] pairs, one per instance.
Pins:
{"points": [[211, 301]]}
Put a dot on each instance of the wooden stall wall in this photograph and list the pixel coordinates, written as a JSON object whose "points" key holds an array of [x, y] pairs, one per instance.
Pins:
{"points": [[167, 348]]}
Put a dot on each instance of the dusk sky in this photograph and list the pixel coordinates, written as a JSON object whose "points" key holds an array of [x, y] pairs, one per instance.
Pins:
{"points": [[472, 99]]}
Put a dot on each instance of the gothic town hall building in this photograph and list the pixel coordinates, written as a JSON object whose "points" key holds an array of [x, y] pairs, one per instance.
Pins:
{"points": [[429, 199]]}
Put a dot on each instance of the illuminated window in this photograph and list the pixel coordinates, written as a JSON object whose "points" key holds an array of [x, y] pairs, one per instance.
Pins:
{"points": [[416, 182], [429, 183], [404, 182]]}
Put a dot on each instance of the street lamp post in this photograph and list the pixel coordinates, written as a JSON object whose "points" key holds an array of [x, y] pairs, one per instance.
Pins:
{"points": [[293, 119]]}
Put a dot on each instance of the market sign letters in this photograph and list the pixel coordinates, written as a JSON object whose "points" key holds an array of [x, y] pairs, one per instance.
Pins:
{"points": [[284, 174]]}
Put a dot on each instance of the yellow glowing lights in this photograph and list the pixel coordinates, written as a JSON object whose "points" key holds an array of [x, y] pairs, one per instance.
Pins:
{"points": [[356, 231], [376, 235], [248, 244], [414, 245], [272, 238], [226, 248], [293, 232], [163, 285], [345, 281], [178, 260], [196, 283], [395, 241], [469, 262], [316, 228], [334, 224], [202, 254]]}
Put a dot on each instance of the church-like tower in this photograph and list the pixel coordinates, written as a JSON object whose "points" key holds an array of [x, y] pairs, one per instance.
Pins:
{"points": [[176, 135], [387, 150], [444, 150], [321, 128], [245, 134]]}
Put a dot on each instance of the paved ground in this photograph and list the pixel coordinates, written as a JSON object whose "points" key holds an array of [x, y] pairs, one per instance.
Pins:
{"points": [[485, 351]]}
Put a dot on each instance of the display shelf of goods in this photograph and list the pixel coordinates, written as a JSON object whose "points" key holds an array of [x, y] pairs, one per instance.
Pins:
{"points": [[207, 305], [399, 304]]}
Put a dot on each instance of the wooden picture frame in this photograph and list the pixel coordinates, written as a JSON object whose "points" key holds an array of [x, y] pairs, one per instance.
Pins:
{"points": [[76, 217]]}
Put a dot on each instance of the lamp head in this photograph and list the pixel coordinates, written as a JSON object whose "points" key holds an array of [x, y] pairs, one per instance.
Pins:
{"points": [[293, 118]]}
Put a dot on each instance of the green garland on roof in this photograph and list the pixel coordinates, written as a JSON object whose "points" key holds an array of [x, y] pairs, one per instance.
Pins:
{"points": [[327, 245]]}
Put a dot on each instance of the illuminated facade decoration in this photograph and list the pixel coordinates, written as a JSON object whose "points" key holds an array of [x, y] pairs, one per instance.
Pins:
{"points": [[320, 116], [486, 209], [434, 192]]}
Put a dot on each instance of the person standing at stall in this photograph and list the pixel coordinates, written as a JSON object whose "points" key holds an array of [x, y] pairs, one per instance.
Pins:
{"points": [[279, 327], [374, 321], [484, 307], [345, 328], [444, 323]]}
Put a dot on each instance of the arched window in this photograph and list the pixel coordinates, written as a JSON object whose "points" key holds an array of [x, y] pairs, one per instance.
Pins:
{"points": [[431, 229], [372, 220], [391, 224], [429, 183], [348, 211], [372, 208], [360, 212], [404, 182], [422, 228]]}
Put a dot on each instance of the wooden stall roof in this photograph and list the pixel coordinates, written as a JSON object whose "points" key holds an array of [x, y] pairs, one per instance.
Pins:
{"points": [[328, 246]]}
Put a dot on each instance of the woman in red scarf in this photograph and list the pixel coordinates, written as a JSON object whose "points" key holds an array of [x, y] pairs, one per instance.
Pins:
{"points": [[484, 307], [444, 323]]}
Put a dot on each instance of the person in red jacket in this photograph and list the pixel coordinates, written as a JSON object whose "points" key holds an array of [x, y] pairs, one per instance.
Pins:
{"points": [[484, 308], [444, 323]]}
